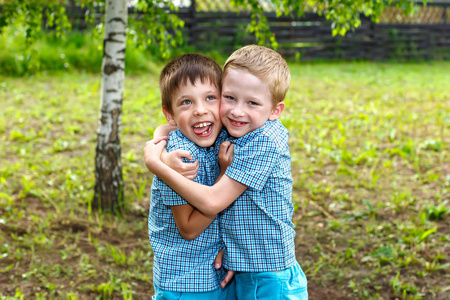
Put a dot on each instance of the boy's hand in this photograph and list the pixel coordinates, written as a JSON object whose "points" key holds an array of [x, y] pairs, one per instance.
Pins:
{"points": [[227, 278], [226, 152], [152, 152], [174, 160], [218, 265]]}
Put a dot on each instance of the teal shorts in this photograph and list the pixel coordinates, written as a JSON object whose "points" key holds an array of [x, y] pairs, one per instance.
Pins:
{"points": [[227, 293], [289, 284]]}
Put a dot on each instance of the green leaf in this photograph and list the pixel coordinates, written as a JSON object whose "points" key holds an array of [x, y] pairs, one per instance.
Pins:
{"points": [[427, 233]]}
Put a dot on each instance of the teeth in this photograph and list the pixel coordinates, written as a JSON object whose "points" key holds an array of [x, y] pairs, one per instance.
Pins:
{"points": [[202, 125], [237, 122], [207, 131]]}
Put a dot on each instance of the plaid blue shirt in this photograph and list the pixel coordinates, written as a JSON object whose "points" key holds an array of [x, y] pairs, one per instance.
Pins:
{"points": [[257, 228], [181, 265]]}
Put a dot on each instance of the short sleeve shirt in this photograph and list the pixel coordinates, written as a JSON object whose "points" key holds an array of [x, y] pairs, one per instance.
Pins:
{"points": [[257, 227], [181, 265]]}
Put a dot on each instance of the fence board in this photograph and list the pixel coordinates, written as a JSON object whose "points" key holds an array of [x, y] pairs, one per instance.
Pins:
{"points": [[310, 34]]}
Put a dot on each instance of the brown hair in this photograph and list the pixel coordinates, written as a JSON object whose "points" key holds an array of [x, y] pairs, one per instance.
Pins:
{"points": [[264, 63], [190, 66]]}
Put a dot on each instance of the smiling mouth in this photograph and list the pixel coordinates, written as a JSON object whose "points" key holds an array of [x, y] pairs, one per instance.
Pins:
{"points": [[237, 123], [203, 129]]}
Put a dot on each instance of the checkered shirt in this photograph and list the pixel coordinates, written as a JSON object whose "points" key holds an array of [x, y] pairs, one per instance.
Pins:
{"points": [[181, 265], [257, 228]]}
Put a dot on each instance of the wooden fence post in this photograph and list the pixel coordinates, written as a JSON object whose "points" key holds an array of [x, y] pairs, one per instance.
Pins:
{"points": [[373, 44], [193, 27], [444, 15]]}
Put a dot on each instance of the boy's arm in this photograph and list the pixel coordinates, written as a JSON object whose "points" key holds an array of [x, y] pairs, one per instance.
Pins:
{"points": [[162, 131], [226, 152], [191, 222], [208, 199]]}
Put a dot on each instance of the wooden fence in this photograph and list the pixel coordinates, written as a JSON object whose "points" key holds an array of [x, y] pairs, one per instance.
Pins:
{"points": [[424, 36]]}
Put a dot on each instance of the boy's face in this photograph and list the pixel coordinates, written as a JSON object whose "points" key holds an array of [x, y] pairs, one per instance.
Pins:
{"points": [[196, 112], [246, 103]]}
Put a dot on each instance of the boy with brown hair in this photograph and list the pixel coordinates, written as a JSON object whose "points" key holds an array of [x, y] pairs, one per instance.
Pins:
{"points": [[185, 241], [255, 194]]}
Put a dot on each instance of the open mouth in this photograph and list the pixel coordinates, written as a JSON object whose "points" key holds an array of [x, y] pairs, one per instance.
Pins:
{"points": [[236, 123], [203, 129]]}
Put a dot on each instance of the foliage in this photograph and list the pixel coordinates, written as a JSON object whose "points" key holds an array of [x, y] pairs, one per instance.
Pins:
{"points": [[344, 15], [155, 26], [370, 160], [146, 32], [29, 14], [75, 51]]}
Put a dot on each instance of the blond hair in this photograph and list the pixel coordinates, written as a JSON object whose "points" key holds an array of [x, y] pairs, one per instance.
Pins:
{"points": [[190, 66], [264, 63]]}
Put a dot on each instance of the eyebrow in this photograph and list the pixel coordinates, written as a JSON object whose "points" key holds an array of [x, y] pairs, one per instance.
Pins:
{"points": [[206, 93], [184, 96], [212, 92]]}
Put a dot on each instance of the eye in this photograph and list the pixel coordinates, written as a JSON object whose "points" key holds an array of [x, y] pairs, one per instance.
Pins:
{"points": [[229, 98], [252, 103], [209, 98], [186, 102]]}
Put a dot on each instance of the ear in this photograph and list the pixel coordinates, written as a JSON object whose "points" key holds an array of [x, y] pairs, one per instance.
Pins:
{"points": [[169, 117], [276, 112]]}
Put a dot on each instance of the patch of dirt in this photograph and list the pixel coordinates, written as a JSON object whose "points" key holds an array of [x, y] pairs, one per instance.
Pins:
{"points": [[75, 240], [319, 292]]}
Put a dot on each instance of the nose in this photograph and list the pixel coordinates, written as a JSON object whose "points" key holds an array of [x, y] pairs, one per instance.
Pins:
{"points": [[200, 109], [237, 111]]}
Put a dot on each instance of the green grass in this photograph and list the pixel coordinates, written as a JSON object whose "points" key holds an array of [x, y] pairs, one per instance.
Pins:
{"points": [[75, 51], [370, 162]]}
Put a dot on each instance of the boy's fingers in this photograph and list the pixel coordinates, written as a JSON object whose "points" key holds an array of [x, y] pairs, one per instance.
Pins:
{"points": [[227, 278], [192, 171], [218, 260], [189, 167], [230, 149], [183, 153], [223, 148], [225, 144]]}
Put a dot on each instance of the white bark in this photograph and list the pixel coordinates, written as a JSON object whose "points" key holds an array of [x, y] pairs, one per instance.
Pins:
{"points": [[108, 166]]}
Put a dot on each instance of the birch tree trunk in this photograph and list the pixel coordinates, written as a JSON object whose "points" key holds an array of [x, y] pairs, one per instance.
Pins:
{"points": [[108, 194]]}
